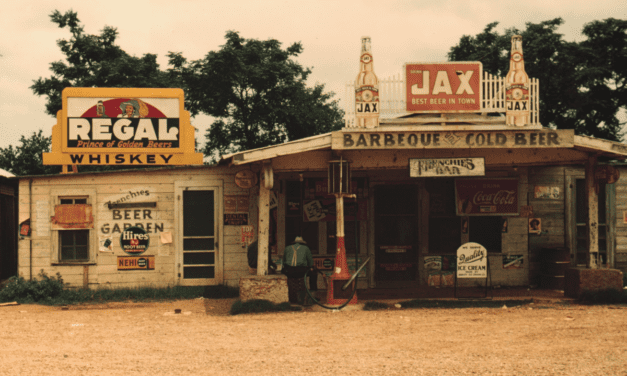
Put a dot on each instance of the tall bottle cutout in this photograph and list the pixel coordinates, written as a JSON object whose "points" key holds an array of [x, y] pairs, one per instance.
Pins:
{"points": [[517, 87], [366, 90]]}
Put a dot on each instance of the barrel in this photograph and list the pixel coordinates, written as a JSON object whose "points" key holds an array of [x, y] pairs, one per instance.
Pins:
{"points": [[553, 264]]}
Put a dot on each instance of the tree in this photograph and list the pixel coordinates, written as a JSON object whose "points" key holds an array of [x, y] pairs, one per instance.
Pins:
{"points": [[27, 158], [582, 85], [257, 93], [96, 61]]}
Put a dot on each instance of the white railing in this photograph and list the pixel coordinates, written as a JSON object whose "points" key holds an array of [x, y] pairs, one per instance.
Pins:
{"points": [[392, 98]]}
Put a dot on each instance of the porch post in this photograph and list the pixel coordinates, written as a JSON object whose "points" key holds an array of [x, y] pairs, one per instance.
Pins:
{"points": [[592, 225], [266, 182]]}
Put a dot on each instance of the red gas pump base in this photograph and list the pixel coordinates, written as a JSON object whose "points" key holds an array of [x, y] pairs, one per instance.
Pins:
{"points": [[335, 294]]}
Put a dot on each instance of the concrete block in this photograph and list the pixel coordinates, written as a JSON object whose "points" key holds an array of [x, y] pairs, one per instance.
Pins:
{"points": [[268, 287], [578, 280]]}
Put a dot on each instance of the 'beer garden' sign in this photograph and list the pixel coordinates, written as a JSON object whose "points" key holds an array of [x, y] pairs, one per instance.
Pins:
{"points": [[105, 126]]}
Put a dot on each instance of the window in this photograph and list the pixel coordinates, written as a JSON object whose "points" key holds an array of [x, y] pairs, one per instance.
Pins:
{"points": [[444, 224], [486, 231], [74, 245], [73, 220]]}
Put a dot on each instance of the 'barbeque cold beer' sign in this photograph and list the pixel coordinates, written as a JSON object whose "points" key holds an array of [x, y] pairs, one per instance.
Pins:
{"points": [[107, 126]]}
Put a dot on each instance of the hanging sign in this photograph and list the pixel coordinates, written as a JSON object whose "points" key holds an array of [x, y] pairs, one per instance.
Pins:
{"points": [[443, 87], [113, 126], [486, 196], [134, 240], [446, 167], [472, 261]]}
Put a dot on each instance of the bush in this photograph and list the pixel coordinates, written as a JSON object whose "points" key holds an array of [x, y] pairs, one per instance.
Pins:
{"points": [[46, 289], [50, 290], [259, 306]]}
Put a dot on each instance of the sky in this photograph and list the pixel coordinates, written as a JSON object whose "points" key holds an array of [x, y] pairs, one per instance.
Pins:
{"points": [[330, 31]]}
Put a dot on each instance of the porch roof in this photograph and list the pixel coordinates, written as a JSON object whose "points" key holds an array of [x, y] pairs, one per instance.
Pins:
{"points": [[600, 147]]}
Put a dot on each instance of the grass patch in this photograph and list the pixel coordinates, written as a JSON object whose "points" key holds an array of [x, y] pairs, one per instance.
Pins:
{"points": [[260, 306], [422, 303], [52, 291], [375, 306], [609, 296]]}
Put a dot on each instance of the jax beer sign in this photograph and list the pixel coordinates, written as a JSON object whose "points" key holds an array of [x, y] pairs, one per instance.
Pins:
{"points": [[443, 87], [108, 126]]}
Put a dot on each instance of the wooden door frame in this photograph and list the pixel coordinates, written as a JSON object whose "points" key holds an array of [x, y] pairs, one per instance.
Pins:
{"points": [[179, 187]]}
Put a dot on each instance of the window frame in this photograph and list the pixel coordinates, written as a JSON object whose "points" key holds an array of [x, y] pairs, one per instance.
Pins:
{"points": [[89, 195]]}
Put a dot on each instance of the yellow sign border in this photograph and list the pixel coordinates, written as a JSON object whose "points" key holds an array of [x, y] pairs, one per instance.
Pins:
{"points": [[183, 155]]}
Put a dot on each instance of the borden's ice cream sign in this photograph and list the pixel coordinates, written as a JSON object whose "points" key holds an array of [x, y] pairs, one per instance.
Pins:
{"points": [[109, 126]]}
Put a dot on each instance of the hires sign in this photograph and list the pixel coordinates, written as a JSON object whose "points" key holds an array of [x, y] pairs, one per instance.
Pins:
{"points": [[443, 87]]}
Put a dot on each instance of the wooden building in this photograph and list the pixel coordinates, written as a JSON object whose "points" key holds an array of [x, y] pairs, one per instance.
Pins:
{"points": [[445, 156], [199, 219]]}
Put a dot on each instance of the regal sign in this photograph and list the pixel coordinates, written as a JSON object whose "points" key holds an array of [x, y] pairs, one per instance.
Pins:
{"points": [[108, 126], [443, 87]]}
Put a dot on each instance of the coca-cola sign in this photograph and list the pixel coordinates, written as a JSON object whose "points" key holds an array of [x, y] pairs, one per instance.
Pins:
{"points": [[486, 196]]}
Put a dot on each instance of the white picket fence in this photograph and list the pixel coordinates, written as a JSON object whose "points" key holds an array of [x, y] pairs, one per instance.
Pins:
{"points": [[392, 98]]}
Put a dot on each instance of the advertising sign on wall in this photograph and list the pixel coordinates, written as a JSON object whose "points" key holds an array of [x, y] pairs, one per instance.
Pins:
{"points": [[486, 196], [134, 240], [435, 167], [443, 87], [136, 262], [112, 126], [472, 261]]}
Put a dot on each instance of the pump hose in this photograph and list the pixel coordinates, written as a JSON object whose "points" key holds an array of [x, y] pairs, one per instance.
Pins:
{"points": [[325, 306]]}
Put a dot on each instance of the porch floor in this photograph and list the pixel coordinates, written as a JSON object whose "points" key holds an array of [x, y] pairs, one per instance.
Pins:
{"points": [[427, 292]]}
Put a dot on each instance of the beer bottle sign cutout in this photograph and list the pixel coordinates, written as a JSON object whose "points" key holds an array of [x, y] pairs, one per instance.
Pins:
{"points": [[517, 87], [366, 90]]}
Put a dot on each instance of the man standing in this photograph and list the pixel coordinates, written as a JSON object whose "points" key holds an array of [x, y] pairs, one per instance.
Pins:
{"points": [[297, 260]]}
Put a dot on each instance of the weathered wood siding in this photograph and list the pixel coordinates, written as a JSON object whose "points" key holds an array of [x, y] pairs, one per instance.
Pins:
{"points": [[102, 270], [620, 227]]}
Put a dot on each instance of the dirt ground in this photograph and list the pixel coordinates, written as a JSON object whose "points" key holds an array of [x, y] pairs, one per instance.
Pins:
{"points": [[545, 338]]}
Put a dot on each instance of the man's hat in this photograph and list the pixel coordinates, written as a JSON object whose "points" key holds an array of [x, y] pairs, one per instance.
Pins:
{"points": [[299, 239]]}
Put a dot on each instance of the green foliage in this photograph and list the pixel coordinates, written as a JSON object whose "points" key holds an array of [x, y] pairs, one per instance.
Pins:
{"points": [[51, 291], [27, 158], [43, 290], [375, 306], [608, 296], [582, 85], [260, 306], [96, 61], [258, 94]]}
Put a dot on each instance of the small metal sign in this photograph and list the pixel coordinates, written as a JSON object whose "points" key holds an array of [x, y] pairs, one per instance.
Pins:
{"points": [[446, 167], [472, 261], [235, 219], [136, 262], [134, 240]]}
